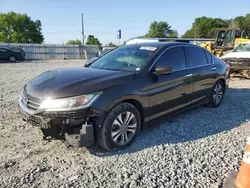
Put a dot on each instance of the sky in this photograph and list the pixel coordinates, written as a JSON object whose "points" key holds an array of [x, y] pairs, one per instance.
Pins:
{"points": [[61, 19]]}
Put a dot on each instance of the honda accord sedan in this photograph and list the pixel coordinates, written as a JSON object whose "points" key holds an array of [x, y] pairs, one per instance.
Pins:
{"points": [[109, 101]]}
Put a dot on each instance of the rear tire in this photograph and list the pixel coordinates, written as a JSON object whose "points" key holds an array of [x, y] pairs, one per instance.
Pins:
{"points": [[12, 59], [216, 94], [120, 127]]}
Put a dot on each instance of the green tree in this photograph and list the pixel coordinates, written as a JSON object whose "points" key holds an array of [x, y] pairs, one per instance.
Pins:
{"points": [[93, 41], [111, 45], [19, 28], [189, 34], [173, 34], [74, 42], [205, 27], [247, 22], [159, 30], [242, 22], [239, 22]]}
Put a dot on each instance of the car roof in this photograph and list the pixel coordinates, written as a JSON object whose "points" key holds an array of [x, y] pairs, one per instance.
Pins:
{"points": [[12, 48], [6, 48], [162, 44]]}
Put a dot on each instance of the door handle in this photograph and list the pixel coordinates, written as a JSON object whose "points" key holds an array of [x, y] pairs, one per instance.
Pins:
{"points": [[213, 69], [188, 75]]}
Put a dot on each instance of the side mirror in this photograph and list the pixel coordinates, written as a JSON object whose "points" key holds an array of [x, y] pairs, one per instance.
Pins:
{"points": [[162, 70]]}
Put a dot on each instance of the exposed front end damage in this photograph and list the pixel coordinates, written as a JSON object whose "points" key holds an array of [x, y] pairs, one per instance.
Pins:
{"points": [[76, 127], [239, 67]]}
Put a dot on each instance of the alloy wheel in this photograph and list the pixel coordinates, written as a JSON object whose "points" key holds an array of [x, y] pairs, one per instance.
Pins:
{"points": [[124, 128], [12, 59], [217, 93]]}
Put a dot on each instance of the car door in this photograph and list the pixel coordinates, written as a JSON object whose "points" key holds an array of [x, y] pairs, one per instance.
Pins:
{"points": [[171, 91], [3, 53], [201, 69]]}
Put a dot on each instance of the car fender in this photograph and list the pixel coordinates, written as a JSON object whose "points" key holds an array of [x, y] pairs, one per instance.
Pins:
{"points": [[126, 98]]}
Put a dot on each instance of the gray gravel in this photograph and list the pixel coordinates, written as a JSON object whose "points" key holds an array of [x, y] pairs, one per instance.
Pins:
{"points": [[198, 148]]}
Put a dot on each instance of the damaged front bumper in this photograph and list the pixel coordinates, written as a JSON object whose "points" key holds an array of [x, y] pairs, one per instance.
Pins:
{"points": [[76, 127]]}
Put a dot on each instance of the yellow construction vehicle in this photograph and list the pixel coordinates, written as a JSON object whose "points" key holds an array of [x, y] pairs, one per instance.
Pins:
{"points": [[226, 39]]}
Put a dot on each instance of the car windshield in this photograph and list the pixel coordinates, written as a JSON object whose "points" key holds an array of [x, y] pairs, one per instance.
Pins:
{"points": [[126, 58], [242, 48], [104, 52]]}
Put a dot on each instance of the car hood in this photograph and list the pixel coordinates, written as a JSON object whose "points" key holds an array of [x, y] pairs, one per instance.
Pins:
{"points": [[235, 55], [67, 82]]}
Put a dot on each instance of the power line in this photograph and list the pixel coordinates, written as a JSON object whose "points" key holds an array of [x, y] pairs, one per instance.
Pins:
{"points": [[106, 33], [66, 32], [110, 20]]}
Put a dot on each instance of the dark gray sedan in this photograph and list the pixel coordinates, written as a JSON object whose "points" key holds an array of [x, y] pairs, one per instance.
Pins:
{"points": [[12, 54]]}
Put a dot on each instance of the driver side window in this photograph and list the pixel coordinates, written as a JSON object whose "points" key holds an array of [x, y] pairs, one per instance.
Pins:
{"points": [[173, 57]]}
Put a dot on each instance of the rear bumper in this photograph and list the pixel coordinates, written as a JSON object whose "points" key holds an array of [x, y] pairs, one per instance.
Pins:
{"points": [[238, 64]]}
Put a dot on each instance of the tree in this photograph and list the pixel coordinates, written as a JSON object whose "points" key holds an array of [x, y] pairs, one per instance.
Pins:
{"points": [[189, 34], [247, 25], [242, 22], [160, 30], [239, 22], [19, 28], [173, 34], [93, 41], [74, 42], [111, 45], [205, 27]]}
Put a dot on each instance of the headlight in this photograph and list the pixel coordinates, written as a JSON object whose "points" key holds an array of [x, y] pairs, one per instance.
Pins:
{"points": [[67, 104]]}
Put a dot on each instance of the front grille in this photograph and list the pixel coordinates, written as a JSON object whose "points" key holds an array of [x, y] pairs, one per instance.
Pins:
{"points": [[29, 102]]}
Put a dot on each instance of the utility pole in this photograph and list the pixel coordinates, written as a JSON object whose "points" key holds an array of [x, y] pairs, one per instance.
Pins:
{"points": [[82, 30]]}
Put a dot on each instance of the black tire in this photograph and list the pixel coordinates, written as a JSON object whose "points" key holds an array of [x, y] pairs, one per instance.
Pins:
{"points": [[12, 59], [105, 140], [211, 100]]}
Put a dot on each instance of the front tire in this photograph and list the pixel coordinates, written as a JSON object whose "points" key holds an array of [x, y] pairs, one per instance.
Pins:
{"points": [[216, 94], [120, 127], [12, 59]]}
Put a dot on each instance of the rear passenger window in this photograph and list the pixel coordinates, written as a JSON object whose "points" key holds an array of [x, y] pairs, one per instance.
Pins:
{"points": [[197, 56], [174, 57], [209, 57]]}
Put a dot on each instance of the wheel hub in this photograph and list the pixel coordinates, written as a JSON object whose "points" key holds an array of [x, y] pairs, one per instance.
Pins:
{"points": [[124, 128], [217, 94]]}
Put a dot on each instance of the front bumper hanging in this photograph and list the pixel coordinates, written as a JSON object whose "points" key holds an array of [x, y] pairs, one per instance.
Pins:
{"points": [[74, 127], [84, 138]]}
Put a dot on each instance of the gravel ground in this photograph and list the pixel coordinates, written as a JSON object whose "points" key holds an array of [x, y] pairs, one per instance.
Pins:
{"points": [[198, 148]]}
